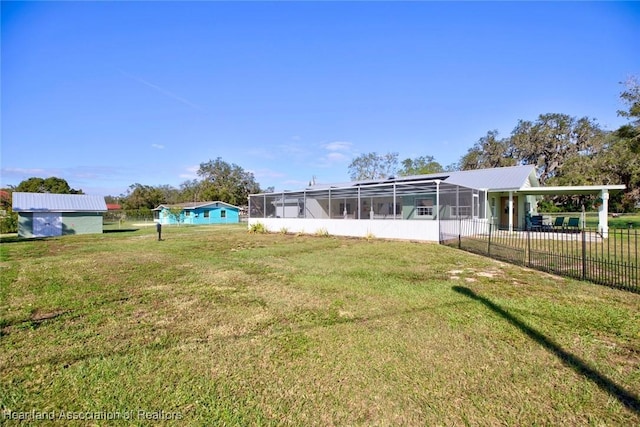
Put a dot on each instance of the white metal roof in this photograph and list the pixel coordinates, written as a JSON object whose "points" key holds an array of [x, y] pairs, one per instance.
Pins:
{"points": [[47, 202], [496, 179]]}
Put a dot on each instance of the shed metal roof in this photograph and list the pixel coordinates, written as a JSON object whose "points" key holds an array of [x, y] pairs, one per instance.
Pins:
{"points": [[47, 202]]}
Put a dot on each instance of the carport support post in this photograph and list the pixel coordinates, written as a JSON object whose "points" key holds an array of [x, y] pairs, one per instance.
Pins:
{"points": [[603, 212]]}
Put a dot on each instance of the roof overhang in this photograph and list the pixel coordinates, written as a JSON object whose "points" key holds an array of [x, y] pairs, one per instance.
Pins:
{"points": [[571, 190]]}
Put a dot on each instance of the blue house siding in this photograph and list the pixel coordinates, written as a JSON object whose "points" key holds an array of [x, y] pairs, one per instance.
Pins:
{"points": [[204, 213]]}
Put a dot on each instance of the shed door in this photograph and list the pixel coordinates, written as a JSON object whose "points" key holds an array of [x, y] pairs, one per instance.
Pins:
{"points": [[47, 224]]}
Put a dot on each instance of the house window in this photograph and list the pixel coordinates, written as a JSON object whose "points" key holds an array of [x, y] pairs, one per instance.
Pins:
{"points": [[424, 207], [223, 213], [187, 213], [206, 214]]}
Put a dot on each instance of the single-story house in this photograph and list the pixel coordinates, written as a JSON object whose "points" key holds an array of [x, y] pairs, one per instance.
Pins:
{"points": [[197, 213], [45, 214], [417, 205]]}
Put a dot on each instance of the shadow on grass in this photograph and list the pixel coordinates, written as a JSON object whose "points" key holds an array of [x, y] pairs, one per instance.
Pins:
{"points": [[625, 397], [17, 239], [120, 230]]}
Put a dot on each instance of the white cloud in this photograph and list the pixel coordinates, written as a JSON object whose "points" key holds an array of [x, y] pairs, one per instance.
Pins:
{"points": [[191, 172], [336, 157], [335, 152], [338, 146], [157, 146]]}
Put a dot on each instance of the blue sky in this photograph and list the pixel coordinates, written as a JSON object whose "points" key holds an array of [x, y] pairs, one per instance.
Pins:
{"points": [[109, 94]]}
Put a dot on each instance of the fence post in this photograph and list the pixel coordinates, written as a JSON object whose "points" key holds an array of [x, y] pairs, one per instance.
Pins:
{"points": [[528, 231], [459, 232], [584, 254], [489, 240]]}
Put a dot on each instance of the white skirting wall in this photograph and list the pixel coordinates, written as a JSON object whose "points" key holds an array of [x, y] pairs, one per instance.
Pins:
{"points": [[426, 230]]}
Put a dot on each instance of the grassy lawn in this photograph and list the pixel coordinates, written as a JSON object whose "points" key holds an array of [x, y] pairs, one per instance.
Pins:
{"points": [[214, 325]]}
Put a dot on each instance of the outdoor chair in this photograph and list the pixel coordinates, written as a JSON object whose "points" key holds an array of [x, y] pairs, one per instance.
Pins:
{"points": [[574, 223], [559, 222], [535, 223]]}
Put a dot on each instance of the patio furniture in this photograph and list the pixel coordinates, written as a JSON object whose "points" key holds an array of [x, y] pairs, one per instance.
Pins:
{"points": [[558, 222], [573, 223], [535, 223]]}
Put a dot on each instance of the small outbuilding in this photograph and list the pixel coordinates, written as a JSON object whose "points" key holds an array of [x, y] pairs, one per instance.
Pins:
{"points": [[46, 215], [197, 213]]}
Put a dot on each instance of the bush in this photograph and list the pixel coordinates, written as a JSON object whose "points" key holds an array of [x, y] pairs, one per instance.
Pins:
{"points": [[258, 228], [322, 232], [9, 222]]}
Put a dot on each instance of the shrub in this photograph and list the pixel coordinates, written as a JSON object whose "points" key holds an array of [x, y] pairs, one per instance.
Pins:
{"points": [[258, 227], [9, 222], [322, 232]]}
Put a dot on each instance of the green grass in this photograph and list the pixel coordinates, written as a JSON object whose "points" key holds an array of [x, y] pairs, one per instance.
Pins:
{"points": [[226, 327]]}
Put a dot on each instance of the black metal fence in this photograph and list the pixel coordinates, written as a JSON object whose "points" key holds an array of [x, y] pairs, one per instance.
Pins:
{"points": [[584, 254]]}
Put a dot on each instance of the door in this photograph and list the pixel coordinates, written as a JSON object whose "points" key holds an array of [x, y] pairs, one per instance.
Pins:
{"points": [[47, 224], [504, 212]]}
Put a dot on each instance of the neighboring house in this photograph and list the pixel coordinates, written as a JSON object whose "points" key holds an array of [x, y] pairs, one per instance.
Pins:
{"points": [[45, 214], [502, 197], [198, 213]]}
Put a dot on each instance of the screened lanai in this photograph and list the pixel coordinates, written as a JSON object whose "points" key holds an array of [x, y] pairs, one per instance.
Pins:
{"points": [[404, 199]]}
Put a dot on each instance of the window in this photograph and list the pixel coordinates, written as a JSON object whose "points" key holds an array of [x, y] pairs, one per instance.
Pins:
{"points": [[223, 213], [424, 207], [206, 214]]}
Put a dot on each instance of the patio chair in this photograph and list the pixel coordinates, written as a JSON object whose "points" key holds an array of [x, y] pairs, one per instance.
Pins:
{"points": [[574, 223], [559, 222], [535, 223]]}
